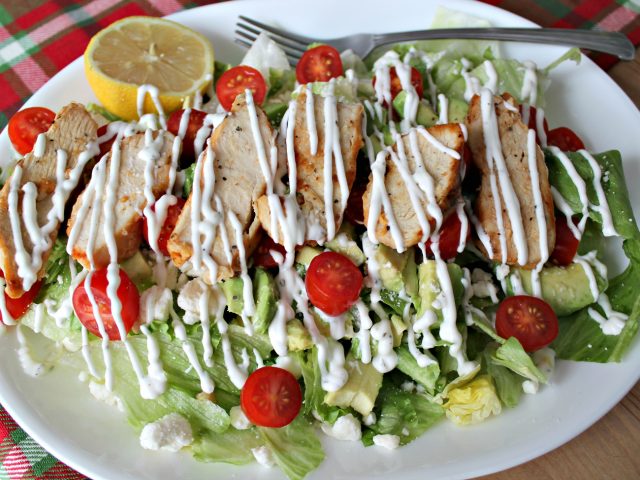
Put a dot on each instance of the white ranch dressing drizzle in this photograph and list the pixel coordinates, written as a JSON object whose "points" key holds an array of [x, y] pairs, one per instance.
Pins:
{"points": [[311, 121], [154, 93], [611, 322], [540, 131], [206, 383], [588, 262], [464, 226], [443, 109], [608, 230], [581, 188], [7, 318], [529, 89], [472, 84], [40, 146], [385, 359], [539, 211], [332, 154], [492, 76], [496, 163]]}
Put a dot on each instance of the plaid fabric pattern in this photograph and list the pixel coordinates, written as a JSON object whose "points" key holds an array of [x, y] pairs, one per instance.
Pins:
{"points": [[40, 37]]}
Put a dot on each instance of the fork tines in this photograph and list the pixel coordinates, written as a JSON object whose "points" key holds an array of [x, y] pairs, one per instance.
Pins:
{"points": [[247, 30]]}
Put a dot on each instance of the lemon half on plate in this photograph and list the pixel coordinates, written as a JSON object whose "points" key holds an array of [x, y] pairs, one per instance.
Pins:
{"points": [[146, 50]]}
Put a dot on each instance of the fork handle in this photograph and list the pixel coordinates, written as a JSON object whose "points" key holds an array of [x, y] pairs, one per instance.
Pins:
{"points": [[614, 43]]}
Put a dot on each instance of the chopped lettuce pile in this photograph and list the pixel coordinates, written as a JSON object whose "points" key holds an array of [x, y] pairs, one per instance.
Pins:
{"points": [[394, 408]]}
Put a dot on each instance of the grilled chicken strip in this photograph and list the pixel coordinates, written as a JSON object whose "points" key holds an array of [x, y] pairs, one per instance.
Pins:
{"points": [[55, 165], [238, 182], [310, 166], [435, 146], [513, 135], [134, 155]]}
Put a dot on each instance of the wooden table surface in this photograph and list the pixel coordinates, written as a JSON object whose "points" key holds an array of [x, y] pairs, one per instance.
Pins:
{"points": [[610, 449]]}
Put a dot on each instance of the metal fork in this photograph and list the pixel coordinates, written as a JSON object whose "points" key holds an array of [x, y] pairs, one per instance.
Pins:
{"points": [[294, 45]]}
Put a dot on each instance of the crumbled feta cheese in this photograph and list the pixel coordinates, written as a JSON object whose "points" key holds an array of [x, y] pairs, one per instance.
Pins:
{"points": [[155, 304], [290, 364], [408, 386], [346, 427], [264, 456], [390, 442], [239, 420], [370, 419], [530, 387], [405, 431], [100, 392], [189, 297], [482, 285], [172, 432]]}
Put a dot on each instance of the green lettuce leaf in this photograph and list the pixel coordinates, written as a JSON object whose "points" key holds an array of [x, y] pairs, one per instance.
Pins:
{"points": [[508, 383], [512, 356], [296, 447], [405, 414], [313, 392], [233, 446], [425, 376]]}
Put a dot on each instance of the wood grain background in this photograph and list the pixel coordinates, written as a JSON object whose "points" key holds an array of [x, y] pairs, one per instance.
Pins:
{"points": [[610, 449]]}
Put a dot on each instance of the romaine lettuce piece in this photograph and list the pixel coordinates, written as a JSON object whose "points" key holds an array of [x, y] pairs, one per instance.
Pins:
{"points": [[425, 376], [405, 414], [512, 356], [296, 447], [233, 446], [508, 383]]}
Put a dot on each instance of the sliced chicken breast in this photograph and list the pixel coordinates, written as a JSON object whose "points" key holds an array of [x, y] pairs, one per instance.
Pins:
{"points": [[513, 134], [310, 166], [437, 146], [237, 181], [135, 152], [55, 163]]}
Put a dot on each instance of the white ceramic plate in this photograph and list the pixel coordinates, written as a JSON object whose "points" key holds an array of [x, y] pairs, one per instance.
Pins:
{"points": [[94, 438]]}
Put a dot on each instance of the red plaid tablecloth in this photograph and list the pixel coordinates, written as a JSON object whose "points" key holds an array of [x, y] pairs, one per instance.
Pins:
{"points": [[40, 37]]}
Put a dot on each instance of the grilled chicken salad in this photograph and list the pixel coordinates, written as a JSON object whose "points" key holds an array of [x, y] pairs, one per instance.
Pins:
{"points": [[364, 246]]}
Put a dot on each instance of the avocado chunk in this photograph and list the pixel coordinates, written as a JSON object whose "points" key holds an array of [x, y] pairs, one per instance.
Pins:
{"points": [[306, 254], [264, 293], [343, 243], [298, 337], [566, 289], [457, 111], [392, 268], [429, 285], [139, 271], [425, 115], [398, 327], [360, 391]]}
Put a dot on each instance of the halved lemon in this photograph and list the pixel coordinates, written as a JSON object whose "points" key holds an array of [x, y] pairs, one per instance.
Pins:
{"points": [[139, 51]]}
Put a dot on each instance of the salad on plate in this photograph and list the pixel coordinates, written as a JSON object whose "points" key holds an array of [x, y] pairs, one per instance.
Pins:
{"points": [[244, 257]]}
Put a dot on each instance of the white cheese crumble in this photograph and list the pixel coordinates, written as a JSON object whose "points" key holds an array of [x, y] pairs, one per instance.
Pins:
{"points": [[189, 301], [264, 456], [346, 427], [101, 393], [530, 386], [155, 304], [171, 433], [239, 420], [370, 419], [390, 442]]}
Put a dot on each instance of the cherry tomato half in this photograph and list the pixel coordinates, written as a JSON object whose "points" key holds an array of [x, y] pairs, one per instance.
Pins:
{"points": [[196, 120], [105, 146], [17, 307], [319, 64], [235, 81], [271, 397], [333, 283], [127, 293], [262, 254], [566, 243], [450, 232], [173, 213], [395, 85], [533, 125], [565, 139], [26, 125], [529, 319]]}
